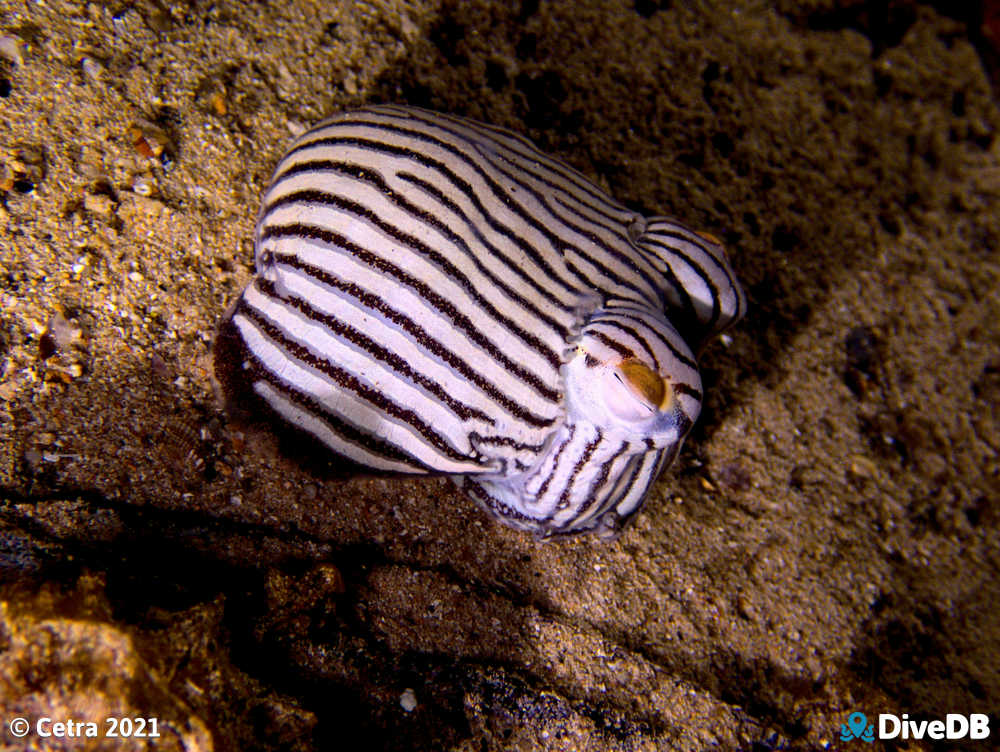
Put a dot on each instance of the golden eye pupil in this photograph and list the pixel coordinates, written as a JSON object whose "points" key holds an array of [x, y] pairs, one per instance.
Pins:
{"points": [[646, 382]]}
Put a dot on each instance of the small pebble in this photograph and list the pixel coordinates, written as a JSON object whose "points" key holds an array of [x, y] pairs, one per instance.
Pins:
{"points": [[143, 185], [99, 204], [93, 71], [64, 333], [218, 102], [24, 171], [8, 389], [10, 49], [148, 139], [862, 467], [408, 700], [136, 208]]}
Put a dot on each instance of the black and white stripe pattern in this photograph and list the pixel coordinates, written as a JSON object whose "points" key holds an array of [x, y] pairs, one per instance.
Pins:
{"points": [[436, 295]]}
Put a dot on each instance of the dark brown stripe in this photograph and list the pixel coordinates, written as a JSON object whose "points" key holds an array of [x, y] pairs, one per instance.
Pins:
{"points": [[682, 387], [634, 476], [505, 441], [373, 178], [457, 182], [436, 123], [582, 461], [498, 191], [652, 238], [476, 492], [588, 511], [667, 339], [684, 300], [350, 434], [571, 429], [614, 344], [530, 280], [530, 154], [349, 382], [356, 210], [370, 346], [446, 307], [576, 222], [628, 330], [419, 335]]}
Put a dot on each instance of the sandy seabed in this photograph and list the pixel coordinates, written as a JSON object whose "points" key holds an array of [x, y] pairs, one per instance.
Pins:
{"points": [[826, 542]]}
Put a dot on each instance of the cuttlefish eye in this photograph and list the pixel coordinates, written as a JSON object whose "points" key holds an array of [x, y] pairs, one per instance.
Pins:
{"points": [[634, 392]]}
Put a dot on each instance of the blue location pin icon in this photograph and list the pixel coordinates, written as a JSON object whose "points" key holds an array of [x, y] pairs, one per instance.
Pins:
{"points": [[857, 723]]}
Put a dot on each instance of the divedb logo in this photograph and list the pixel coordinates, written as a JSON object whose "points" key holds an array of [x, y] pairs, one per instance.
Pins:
{"points": [[954, 727]]}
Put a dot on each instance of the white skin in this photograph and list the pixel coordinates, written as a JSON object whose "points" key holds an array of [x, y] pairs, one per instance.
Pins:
{"points": [[618, 406]]}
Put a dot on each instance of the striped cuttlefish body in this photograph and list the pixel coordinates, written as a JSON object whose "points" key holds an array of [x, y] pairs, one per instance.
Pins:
{"points": [[435, 295]]}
